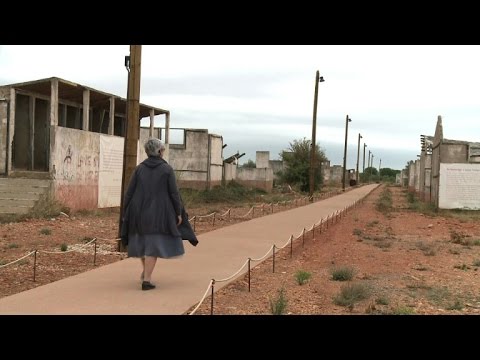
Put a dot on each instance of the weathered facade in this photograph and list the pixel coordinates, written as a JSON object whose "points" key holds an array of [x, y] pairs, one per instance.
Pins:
{"points": [[447, 172], [260, 177], [71, 138], [197, 160], [69, 134]]}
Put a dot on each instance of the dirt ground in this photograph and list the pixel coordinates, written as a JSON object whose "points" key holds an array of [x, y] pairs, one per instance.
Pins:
{"points": [[72, 232], [403, 262]]}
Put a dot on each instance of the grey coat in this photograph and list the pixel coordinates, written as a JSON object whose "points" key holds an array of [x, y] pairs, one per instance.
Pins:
{"points": [[152, 202]]}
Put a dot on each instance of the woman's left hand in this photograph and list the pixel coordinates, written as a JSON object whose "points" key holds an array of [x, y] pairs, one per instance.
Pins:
{"points": [[179, 219]]}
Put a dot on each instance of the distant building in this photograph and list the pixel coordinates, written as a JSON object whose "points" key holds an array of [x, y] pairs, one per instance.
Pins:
{"points": [[447, 172]]}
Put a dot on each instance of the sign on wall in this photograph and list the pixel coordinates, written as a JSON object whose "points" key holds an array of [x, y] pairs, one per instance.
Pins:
{"points": [[459, 186], [110, 172]]}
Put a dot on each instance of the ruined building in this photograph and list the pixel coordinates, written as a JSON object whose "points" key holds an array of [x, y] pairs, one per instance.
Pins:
{"points": [[447, 172]]}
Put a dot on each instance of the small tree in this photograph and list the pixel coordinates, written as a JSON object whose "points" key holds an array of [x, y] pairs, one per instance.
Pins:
{"points": [[297, 164], [249, 164], [388, 174]]}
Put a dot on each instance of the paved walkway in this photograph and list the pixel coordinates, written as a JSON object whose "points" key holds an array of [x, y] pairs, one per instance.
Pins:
{"points": [[115, 288]]}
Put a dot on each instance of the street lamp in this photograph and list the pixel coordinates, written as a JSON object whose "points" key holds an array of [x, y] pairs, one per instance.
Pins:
{"points": [[318, 79], [358, 158], [347, 120], [369, 169], [363, 172]]}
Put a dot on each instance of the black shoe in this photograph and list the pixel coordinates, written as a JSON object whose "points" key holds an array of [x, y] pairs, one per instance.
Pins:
{"points": [[147, 285]]}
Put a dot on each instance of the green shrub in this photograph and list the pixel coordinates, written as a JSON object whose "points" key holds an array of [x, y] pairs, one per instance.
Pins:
{"points": [[302, 277], [350, 294], [382, 300], [45, 231], [357, 232], [342, 273], [403, 310], [63, 247], [278, 305]]}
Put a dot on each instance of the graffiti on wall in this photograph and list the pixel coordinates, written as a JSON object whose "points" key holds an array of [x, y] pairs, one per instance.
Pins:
{"points": [[78, 161], [67, 172]]}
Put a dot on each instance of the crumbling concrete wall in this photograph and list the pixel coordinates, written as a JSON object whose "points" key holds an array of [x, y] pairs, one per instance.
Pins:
{"points": [[262, 159], [260, 178], [325, 169], [427, 178], [449, 176], [230, 172], [453, 153], [417, 176], [336, 174], [76, 167], [437, 141], [216, 160], [3, 134], [411, 176], [198, 163], [277, 167], [190, 159]]}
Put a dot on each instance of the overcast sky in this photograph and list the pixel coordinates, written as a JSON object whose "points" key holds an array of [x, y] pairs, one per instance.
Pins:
{"points": [[261, 97]]}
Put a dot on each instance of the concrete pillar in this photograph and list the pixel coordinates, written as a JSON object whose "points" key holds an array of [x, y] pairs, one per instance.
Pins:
{"points": [[31, 117], [53, 124], [111, 120], [64, 123], [262, 159], [86, 109], [421, 176], [11, 130], [54, 102], [152, 122], [167, 135]]}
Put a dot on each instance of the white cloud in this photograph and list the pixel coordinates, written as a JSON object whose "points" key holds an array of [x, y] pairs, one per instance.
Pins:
{"points": [[262, 96]]}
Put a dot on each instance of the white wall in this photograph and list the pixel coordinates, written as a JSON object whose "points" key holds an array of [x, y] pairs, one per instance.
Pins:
{"points": [[110, 171], [230, 172], [76, 164], [262, 158], [459, 186]]}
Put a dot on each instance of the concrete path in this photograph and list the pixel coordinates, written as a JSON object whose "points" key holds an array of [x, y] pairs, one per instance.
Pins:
{"points": [[115, 288]]}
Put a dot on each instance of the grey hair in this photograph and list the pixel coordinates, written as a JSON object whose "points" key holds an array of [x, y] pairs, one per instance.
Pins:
{"points": [[153, 146]]}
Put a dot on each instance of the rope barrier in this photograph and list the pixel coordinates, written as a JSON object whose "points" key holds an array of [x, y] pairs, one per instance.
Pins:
{"points": [[249, 260], [14, 261], [249, 211], [205, 216], [232, 276], [202, 299], [264, 256], [225, 213], [284, 246], [104, 239], [74, 248]]}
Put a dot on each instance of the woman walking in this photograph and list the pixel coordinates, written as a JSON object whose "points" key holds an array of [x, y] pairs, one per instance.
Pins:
{"points": [[152, 212]]}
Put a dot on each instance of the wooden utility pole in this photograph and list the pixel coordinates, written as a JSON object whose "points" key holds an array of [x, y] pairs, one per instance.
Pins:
{"points": [[132, 129], [347, 120], [357, 178], [313, 144]]}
